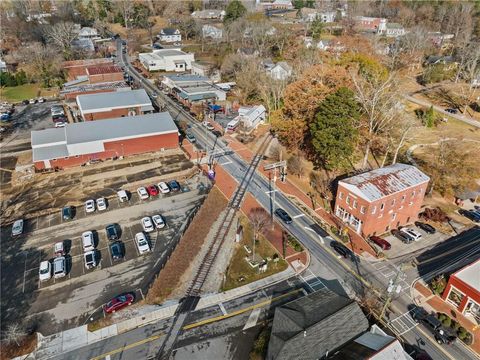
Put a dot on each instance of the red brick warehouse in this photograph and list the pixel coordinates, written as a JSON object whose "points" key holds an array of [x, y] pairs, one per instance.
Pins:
{"points": [[79, 143], [377, 201]]}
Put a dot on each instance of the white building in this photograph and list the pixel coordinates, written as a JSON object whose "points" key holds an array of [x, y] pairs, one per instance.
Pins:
{"points": [[87, 33], [251, 116], [169, 35], [167, 60], [208, 14], [281, 71], [3, 66], [309, 15], [210, 31], [206, 69]]}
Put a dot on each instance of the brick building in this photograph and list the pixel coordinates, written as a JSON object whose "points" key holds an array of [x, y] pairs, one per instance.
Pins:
{"points": [[85, 142], [76, 68], [463, 291], [114, 104], [104, 73], [377, 201]]}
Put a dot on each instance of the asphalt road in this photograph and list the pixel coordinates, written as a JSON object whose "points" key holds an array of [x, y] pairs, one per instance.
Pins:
{"points": [[351, 274]]}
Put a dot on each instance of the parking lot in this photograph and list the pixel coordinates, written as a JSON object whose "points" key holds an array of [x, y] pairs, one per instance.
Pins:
{"points": [[57, 304]]}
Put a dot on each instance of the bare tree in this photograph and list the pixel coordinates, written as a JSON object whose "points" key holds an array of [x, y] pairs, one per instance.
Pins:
{"points": [[259, 218], [62, 34], [276, 152], [126, 9], [381, 106], [14, 333], [296, 165], [400, 134]]}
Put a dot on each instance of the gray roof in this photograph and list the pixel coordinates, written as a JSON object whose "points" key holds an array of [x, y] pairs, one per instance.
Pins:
{"points": [[168, 31], [168, 52], [187, 77], [309, 327], [112, 100], [376, 184], [87, 137]]}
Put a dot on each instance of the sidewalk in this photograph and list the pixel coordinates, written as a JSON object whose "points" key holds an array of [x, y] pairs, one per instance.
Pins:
{"points": [[431, 302]]}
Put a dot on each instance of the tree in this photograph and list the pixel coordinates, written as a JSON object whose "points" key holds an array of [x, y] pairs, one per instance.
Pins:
{"points": [[296, 166], [42, 63], [333, 131], [62, 34], [429, 117], [125, 8], [259, 218], [189, 27], [14, 333], [316, 28], [234, 10]]}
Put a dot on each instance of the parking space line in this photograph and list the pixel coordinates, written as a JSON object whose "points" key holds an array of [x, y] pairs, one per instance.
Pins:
{"points": [[24, 273]]}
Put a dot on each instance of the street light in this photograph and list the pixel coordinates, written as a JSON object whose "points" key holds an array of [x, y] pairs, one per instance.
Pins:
{"points": [[274, 166]]}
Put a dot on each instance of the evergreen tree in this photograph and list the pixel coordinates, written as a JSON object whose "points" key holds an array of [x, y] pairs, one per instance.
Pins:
{"points": [[234, 10]]}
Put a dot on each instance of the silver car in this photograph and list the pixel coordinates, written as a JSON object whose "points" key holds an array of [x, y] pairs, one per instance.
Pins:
{"points": [[17, 228]]}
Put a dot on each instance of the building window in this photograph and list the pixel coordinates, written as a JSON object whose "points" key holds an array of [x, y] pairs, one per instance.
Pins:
{"points": [[380, 216], [66, 157], [362, 209], [387, 228], [394, 216], [420, 190], [410, 203], [403, 198], [354, 204], [455, 297], [348, 200], [382, 206], [472, 308], [400, 208], [408, 219], [54, 159], [340, 196], [374, 210], [77, 156], [413, 193], [393, 202]]}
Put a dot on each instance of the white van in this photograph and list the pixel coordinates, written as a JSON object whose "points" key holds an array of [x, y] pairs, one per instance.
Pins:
{"points": [[122, 195], [59, 267], [232, 125], [87, 241]]}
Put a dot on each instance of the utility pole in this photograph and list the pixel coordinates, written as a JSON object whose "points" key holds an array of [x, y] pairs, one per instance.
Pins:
{"points": [[392, 289], [274, 166]]}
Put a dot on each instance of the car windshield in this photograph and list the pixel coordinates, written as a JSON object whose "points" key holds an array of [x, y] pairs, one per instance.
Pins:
{"points": [[142, 242], [44, 270], [122, 298]]}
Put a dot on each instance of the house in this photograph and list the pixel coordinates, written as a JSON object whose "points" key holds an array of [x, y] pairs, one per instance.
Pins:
{"points": [[210, 31], [374, 344], [114, 104], [251, 116], [369, 24], [377, 201], [390, 29], [448, 61], [86, 142], [275, 5], [83, 44], [439, 40], [209, 14], [247, 52], [476, 81], [312, 326], [267, 64], [281, 71], [463, 291], [309, 15], [206, 69], [167, 60], [170, 35], [88, 33], [324, 45], [3, 66]]}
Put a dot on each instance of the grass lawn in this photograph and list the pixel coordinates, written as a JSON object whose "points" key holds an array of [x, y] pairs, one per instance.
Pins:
{"points": [[24, 92], [239, 267]]}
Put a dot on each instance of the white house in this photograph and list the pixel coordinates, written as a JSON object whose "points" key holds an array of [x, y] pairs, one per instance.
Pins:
{"points": [[394, 30], [251, 116], [281, 71], [167, 60], [210, 31], [3, 66], [324, 45], [309, 15], [206, 69], [209, 14], [87, 33], [169, 35]]}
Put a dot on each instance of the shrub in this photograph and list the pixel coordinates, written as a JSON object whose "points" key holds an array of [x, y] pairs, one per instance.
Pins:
{"points": [[435, 214], [441, 317], [294, 243], [438, 284], [446, 322], [455, 326]]}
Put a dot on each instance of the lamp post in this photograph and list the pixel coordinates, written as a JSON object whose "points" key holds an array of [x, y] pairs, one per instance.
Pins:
{"points": [[274, 166]]}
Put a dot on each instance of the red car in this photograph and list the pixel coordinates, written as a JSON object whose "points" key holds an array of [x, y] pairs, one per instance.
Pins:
{"points": [[384, 244], [118, 303], [152, 190]]}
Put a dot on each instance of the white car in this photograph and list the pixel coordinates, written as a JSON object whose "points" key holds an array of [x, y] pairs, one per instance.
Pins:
{"points": [[90, 259], [158, 221], [147, 224], [17, 228], [59, 124], [101, 204], [414, 234], [41, 100], [32, 101], [163, 187], [87, 241], [89, 206], [142, 192], [142, 243], [45, 271], [122, 195]]}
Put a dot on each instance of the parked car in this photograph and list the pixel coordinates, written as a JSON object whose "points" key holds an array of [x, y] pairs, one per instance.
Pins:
{"points": [[414, 234], [190, 137], [122, 195], [59, 249], [403, 236], [67, 213], [142, 192], [152, 190], [384, 244], [59, 124], [89, 206], [25, 102], [174, 185], [429, 229], [101, 204], [441, 335], [147, 224], [45, 271], [282, 214], [163, 187], [118, 303], [451, 111], [32, 101], [154, 95], [88, 242], [209, 126], [157, 46], [158, 221], [116, 249], [142, 243], [470, 215], [41, 100], [17, 228], [90, 259], [59, 267], [112, 232], [340, 249], [5, 117]]}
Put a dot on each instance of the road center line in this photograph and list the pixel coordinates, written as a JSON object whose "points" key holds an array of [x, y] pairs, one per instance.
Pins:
{"points": [[127, 347]]}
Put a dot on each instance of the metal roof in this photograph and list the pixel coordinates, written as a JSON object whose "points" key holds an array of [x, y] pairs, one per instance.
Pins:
{"points": [[168, 52], [187, 78], [89, 137], [103, 69], [376, 184], [91, 103], [470, 275]]}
